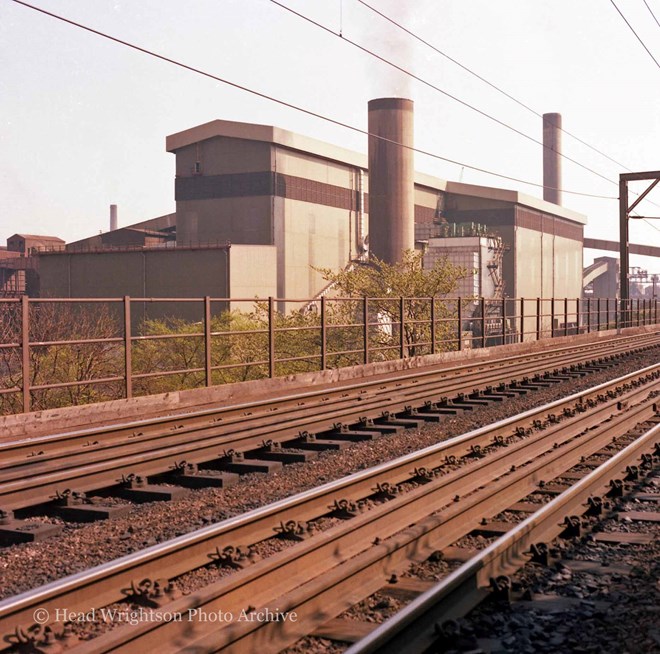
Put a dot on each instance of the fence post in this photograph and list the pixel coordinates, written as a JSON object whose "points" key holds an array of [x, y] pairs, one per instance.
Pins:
{"points": [[207, 339], [128, 348], [432, 325], [577, 315], [522, 319], [598, 311], [565, 316], [365, 313], [460, 325], [538, 318], [588, 315], [639, 315], [25, 352], [630, 313], [607, 313], [552, 318], [617, 314], [271, 337], [323, 335], [483, 321], [503, 321], [402, 337]]}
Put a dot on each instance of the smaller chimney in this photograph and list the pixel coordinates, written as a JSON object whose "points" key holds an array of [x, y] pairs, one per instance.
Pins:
{"points": [[113, 217], [552, 158]]}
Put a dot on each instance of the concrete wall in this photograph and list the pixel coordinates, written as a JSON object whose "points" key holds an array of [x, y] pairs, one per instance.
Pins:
{"points": [[27, 425]]}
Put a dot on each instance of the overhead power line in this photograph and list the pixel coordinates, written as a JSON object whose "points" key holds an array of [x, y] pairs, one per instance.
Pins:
{"points": [[498, 88], [436, 88], [427, 83], [635, 33], [287, 104], [485, 81], [651, 12]]}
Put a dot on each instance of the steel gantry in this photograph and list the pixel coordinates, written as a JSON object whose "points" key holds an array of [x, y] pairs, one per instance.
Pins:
{"points": [[624, 215]]}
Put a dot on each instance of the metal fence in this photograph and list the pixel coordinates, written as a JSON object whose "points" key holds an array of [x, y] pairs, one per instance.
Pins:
{"points": [[57, 352]]}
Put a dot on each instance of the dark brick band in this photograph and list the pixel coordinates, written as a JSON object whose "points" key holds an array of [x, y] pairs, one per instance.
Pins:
{"points": [[265, 183]]}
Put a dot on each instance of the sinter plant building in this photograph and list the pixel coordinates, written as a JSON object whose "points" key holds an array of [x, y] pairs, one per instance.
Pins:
{"points": [[259, 209]]}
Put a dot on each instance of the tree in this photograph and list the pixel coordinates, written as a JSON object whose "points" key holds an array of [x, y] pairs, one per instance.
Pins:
{"points": [[240, 341], [388, 287], [52, 363]]}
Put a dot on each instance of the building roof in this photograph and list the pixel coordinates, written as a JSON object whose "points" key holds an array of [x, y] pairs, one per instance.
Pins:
{"points": [[305, 144], [37, 237], [264, 133], [515, 197], [139, 230]]}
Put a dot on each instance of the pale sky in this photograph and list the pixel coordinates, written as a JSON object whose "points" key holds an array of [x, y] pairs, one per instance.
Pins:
{"points": [[84, 120]]}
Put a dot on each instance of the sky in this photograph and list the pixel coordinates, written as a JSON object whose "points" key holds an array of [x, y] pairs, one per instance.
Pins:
{"points": [[83, 120]]}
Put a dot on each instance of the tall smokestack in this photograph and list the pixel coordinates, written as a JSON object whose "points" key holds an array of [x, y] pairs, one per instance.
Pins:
{"points": [[391, 179], [552, 158], [113, 217]]}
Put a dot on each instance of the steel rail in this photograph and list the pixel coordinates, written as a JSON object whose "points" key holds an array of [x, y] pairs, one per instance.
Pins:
{"points": [[102, 585], [544, 360], [33, 480], [341, 574], [247, 425], [412, 630]]}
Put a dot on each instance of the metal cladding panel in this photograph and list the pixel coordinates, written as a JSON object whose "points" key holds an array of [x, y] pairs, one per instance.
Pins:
{"points": [[391, 178], [552, 158], [231, 219]]}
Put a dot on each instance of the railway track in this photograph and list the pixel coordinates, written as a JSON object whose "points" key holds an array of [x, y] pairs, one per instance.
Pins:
{"points": [[263, 435], [345, 538], [423, 625]]}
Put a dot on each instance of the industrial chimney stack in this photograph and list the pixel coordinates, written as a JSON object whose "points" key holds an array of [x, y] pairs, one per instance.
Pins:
{"points": [[552, 158], [391, 178], [113, 217]]}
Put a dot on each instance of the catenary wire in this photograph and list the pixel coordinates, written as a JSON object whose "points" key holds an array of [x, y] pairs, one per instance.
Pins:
{"points": [[293, 106], [632, 29], [651, 12], [485, 81], [502, 91], [434, 87], [412, 75]]}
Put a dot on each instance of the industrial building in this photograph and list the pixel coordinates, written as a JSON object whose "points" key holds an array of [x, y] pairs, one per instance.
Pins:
{"points": [[19, 265], [259, 209]]}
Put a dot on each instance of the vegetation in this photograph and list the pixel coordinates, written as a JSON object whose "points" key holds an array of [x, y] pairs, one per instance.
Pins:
{"points": [[393, 287], [240, 341], [51, 363]]}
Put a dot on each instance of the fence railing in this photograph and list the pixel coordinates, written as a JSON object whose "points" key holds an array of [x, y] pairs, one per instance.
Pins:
{"points": [[57, 352]]}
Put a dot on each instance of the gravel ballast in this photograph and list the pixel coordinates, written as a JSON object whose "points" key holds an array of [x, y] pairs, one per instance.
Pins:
{"points": [[82, 546]]}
